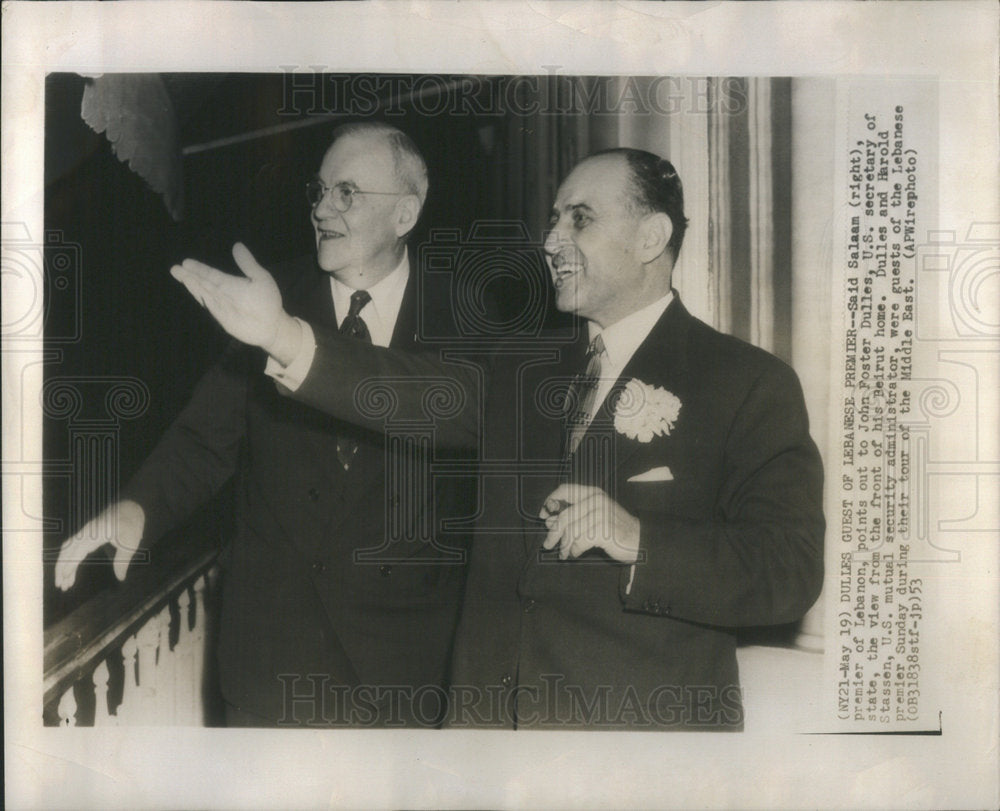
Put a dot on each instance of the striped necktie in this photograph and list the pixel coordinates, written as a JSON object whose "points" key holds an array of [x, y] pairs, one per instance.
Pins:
{"points": [[581, 397], [354, 327]]}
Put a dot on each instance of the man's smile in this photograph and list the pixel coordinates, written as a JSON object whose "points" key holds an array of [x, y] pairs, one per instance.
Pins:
{"points": [[328, 233], [563, 268]]}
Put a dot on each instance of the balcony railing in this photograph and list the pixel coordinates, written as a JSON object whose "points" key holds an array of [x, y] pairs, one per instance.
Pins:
{"points": [[136, 654]]}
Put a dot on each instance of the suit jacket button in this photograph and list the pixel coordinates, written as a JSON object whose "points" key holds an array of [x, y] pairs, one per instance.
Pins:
{"points": [[313, 494], [385, 570], [319, 567], [529, 606], [505, 680]]}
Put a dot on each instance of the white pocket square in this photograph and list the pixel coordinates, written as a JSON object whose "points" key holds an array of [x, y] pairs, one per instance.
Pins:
{"points": [[656, 474]]}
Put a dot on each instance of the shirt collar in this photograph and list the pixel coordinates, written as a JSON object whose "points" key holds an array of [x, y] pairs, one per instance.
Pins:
{"points": [[386, 293], [622, 338]]}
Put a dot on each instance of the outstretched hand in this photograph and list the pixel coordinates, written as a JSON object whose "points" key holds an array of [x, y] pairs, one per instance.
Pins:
{"points": [[248, 308]]}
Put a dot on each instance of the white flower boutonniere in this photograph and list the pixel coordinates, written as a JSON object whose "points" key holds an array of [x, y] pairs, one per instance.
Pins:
{"points": [[644, 411]]}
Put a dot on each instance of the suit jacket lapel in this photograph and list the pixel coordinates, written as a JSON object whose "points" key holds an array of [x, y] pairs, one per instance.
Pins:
{"points": [[658, 360], [370, 459], [543, 436], [404, 333], [655, 360], [541, 433], [311, 299]]}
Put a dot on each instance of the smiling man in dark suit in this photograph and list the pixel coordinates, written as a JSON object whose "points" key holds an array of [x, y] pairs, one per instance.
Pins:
{"points": [[339, 605], [674, 497]]}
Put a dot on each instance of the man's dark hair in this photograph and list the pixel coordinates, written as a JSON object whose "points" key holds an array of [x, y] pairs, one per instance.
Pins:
{"points": [[655, 186]]}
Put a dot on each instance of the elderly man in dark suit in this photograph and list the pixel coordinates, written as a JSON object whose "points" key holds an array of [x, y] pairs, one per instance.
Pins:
{"points": [[339, 605], [672, 498]]}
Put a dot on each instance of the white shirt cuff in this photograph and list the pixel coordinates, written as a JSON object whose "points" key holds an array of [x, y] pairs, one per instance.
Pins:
{"points": [[631, 578], [292, 375]]}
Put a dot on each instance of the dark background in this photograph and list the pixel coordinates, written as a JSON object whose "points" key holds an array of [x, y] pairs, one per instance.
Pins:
{"points": [[118, 313]]}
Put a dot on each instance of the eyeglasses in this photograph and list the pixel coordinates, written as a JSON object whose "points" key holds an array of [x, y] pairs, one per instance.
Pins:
{"points": [[343, 194]]}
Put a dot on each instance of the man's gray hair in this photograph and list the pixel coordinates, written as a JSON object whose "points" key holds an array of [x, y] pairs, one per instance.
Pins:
{"points": [[411, 170]]}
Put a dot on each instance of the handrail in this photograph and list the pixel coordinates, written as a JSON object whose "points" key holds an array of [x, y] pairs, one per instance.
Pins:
{"points": [[74, 644]]}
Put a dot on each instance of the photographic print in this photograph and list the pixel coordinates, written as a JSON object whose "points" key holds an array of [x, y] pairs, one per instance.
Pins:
{"points": [[406, 424]]}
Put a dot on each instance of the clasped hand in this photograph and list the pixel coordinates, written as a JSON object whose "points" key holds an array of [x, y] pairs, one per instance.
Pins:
{"points": [[580, 518]]}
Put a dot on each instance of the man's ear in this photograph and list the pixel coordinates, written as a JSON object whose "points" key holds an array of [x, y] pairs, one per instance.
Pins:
{"points": [[407, 212], [653, 236]]}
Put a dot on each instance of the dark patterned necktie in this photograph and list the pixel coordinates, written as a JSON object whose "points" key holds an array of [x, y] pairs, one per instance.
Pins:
{"points": [[581, 397], [354, 327]]}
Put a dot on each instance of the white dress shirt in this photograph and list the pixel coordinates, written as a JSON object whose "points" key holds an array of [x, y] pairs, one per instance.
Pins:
{"points": [[379, 315], [621, 340]]}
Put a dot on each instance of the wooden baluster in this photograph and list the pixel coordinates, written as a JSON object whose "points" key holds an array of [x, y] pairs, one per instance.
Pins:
{"points": [[147, 637], [198, 651], [102, 716], [184, 675], [67, 709], [184, 604], [127, 713], [164, 677], [159, 685]]}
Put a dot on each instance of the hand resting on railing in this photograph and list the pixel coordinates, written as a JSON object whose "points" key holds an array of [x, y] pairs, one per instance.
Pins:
{"points": [[121, 525]]}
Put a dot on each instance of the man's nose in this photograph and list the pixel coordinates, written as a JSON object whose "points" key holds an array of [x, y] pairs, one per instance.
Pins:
{"points": [[553, 240], [324, 208]]}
